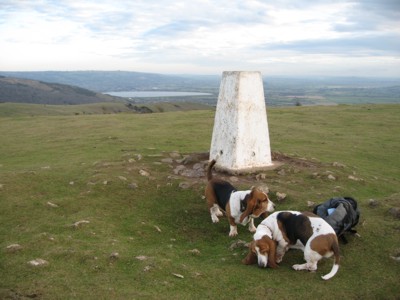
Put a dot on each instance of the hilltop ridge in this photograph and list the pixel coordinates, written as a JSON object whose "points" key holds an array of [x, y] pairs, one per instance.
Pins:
{"points": [[19, 90]]}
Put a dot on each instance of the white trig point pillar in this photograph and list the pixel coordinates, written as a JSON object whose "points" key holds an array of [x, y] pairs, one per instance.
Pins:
{"points": [[240, 139]]}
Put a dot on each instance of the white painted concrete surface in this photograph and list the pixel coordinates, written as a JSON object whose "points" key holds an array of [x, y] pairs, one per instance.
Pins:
{"points": [[240, 139]]}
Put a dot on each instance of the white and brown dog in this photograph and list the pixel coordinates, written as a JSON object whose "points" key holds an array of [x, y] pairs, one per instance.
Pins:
{"points": [[241, 207], [293, 229]]}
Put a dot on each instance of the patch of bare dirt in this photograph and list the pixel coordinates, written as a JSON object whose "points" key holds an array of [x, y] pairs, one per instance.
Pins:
{"points": [[193, 167]]}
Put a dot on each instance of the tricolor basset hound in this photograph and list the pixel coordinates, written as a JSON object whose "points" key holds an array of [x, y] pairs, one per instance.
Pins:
{"points": [[292, 229], [241, 207]]}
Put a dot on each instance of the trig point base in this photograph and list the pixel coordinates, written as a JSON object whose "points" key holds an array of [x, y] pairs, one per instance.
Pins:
{"points": [[240, 139]]}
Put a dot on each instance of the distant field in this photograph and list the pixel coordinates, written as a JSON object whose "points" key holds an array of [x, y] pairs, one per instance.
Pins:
{"points": [[96, 196]]}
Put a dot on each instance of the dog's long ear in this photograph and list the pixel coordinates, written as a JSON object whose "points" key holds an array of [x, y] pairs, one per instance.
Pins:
{"points": [[272, 254], [251, 257], [251, 202]]}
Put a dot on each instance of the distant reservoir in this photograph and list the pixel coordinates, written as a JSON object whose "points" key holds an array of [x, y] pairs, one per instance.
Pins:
{"points": [[155, 94]]}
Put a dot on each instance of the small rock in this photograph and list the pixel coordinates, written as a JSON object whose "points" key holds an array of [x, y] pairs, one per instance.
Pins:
{"points": [[198, 166], [144, 173], [282, 172], [114, 255], [331, 177], [178, 275], [194, 251], [175, 155], [71, 183], [280, 196], [179, 169], [395, 258], [122, 178], [184, 185], [395, 212], [139, 157], [167, 160], [157, 228], [396, 255], [141, 257], [14, 248], [373, 203], [133, 185], [338, 164], [351, 177], [261, 176], [51, 204], [264, 188], [233, 179], [38, 262], [311, 204], [78, 223], [131, 160]]}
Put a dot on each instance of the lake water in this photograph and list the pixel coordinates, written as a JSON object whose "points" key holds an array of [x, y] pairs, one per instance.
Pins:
{"points": [[149, 94]]}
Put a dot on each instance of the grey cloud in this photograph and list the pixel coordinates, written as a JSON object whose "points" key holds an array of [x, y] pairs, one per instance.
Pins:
{"points": [[357, 46], [371, 15], [389, 8]]}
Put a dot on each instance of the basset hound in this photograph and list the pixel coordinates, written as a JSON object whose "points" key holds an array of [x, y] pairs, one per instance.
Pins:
{"points": [[292, 229], [241, 207]]}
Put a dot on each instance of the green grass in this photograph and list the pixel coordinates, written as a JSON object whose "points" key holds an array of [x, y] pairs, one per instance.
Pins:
{"points": [[80, 162], [9, 109]]}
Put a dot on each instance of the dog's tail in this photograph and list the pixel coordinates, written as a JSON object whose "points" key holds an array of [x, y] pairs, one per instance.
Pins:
{"points": [[209, 169], [335, 267]]}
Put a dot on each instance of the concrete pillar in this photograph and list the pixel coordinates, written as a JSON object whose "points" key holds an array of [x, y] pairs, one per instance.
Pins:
{"points": [[240, 139]]}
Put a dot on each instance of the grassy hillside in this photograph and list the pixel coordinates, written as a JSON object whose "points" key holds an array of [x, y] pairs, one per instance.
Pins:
{"points": [[32, 91], [24, 109], [95, 196]]}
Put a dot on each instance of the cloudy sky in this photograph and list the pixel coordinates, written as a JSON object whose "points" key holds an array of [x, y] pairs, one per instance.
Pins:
{"points": [[277, 37]]}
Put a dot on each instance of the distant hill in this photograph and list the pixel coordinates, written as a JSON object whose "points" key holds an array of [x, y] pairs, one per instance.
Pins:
{"points": [[112, 81], [19, 90], [278, 91]]}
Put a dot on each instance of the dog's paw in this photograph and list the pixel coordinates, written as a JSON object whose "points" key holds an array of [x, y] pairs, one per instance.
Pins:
{"points": [[298, 267], [219, 213], [233, 231], [252, 229], [214, 219]]}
